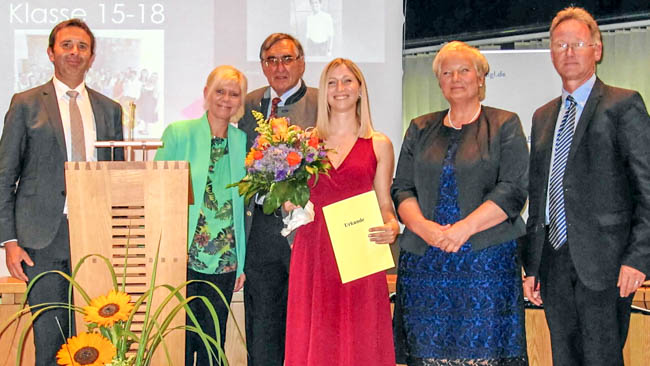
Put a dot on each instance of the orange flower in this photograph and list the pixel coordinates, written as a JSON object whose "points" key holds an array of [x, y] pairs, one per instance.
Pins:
{"points": [[262, 142], [313, 141], [257, 155], [90, 349], [293, 158], [280, 127], [106, 310], [249, 159]]}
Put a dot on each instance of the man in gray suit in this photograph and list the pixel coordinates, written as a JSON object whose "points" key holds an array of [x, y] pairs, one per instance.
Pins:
{"points": [[267, 252], [588, 242], [45, 127]]}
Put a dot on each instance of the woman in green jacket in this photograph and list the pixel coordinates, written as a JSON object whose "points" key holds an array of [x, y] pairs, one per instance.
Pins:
{"points": [[216, 245]]}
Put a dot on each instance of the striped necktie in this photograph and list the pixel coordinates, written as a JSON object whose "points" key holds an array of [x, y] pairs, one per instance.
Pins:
{"points": [[77, 140], [557, 218]]}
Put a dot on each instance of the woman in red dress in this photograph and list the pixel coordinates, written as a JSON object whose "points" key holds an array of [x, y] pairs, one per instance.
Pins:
{"points": [[328, 322]]}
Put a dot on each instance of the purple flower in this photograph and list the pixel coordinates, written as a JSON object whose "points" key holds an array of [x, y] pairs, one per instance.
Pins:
{"points": [[275, 164], [280, 175]]}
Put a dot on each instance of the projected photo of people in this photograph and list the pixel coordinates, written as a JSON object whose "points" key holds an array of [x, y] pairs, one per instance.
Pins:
{"points": [[127, 68], [32, 67]]}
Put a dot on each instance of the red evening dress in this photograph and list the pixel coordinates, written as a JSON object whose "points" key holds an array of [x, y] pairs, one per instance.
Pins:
{"points": [[330, 323]]}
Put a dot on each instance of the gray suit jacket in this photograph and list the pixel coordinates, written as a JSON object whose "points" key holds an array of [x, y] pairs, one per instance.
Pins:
{"points": [[606, 186], [32, 157], [301, 109]]}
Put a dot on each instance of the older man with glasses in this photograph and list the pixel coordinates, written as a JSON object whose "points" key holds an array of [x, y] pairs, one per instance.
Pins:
{"points": [[268, 253]]}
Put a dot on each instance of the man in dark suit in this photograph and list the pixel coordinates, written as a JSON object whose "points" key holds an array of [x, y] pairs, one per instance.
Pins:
{"points": [[45, 127], [267, 252], [588, 242]]}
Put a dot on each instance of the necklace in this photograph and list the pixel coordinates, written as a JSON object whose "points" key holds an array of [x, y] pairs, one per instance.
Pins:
{"points": [[470, 120]]}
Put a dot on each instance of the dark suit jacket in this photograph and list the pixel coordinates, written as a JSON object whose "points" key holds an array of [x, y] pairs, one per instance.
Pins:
{"points": [[606, 186], [32, 157], [491, 164], [301, 109]]}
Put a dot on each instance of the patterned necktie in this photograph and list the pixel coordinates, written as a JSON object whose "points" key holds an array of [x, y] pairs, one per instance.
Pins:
{"points": [[274, 107], [78, 143], [557, 218]]}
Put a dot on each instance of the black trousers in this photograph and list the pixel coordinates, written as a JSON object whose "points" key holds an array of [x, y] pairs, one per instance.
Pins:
{"points": [[588, 328], [193, 343], [265, 290], [48, 289]]}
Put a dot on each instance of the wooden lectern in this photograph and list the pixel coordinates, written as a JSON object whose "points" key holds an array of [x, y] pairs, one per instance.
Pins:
{"points": [[111, 204]]}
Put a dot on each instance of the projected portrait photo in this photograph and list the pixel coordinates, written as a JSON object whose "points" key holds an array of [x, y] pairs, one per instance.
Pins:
{"points": [[326, 28], [316, 23], [317, 28]]}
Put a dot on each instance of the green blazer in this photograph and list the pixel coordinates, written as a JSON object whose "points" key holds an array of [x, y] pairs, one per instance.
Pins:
{"points": [[190, 141]]}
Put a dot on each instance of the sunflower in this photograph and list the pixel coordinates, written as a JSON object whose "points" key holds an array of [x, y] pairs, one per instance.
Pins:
{"points": [[86, 349], [106, 310]]}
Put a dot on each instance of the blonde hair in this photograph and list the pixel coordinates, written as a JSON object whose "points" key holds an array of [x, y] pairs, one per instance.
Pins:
{"points": [[580, 15], [480, 62], [219, 76], [365, 129]]}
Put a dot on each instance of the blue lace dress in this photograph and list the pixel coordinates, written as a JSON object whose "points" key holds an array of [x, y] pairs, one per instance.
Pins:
{"points": [[463, 308]]}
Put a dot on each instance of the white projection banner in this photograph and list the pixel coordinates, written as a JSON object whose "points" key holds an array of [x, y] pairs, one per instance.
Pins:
{"points": [[521, 81], [158, 53]]}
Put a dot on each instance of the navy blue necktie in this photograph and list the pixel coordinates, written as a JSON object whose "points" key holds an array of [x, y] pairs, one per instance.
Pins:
{"points": [[557, 217]]}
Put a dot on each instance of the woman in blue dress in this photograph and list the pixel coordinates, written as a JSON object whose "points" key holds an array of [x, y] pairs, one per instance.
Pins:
{"points": [[459, 189]]}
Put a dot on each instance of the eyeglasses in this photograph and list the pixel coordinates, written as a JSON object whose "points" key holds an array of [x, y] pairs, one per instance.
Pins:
{"points": [[274, 61], [576, 46]]}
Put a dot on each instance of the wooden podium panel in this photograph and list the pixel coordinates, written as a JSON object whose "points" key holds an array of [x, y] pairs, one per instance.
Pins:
{"points": [[11, 293], [112, 205]]}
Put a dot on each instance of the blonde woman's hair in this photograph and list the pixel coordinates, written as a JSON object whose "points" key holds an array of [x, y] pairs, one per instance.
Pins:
{"points": [[219, 76], [364, 120], [480, 62]]}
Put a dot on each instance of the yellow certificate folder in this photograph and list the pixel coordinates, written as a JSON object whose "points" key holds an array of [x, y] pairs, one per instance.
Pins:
{"points": [[348, 222]]}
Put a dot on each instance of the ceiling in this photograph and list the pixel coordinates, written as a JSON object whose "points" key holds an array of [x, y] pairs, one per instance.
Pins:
{"points": [[435, 21]]}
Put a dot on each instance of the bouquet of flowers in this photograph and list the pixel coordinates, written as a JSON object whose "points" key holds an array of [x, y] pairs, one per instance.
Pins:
{"points": [[280, 163]]}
